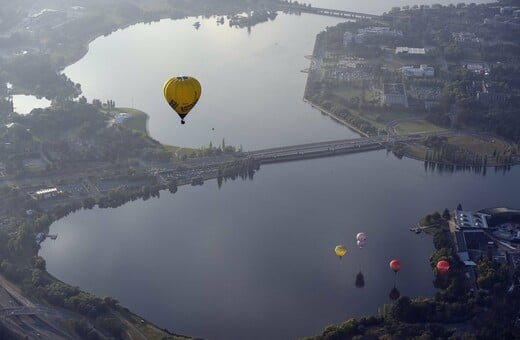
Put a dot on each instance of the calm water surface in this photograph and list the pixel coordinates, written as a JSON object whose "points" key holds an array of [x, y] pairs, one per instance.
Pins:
{"points": [[252, 84], [24, 104], [253, 259]]}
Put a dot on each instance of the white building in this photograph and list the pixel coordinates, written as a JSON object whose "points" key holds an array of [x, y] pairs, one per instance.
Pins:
{"points": [[410, 50], [469, 219], [372, 31], [418, 72], [46, 193], [348, 39], [380, 30], [119, 119]]}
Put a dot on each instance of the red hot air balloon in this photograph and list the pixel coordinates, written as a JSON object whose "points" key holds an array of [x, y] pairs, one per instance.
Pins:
{"points": [[395, 265], [443, 267]]}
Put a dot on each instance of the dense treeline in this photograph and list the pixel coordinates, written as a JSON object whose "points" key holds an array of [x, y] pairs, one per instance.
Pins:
{"points": [[243, 168]]}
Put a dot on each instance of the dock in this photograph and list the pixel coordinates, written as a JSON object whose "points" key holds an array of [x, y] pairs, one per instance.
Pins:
{"points": [[40, 237]]}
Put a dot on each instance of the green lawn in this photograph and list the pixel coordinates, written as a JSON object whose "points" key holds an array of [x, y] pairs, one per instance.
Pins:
{"points": [[417, 127], [484, 146]]}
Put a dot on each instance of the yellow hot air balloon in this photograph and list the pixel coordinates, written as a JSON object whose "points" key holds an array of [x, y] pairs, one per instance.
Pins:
{"points": [[182, 93], [340, 251]]}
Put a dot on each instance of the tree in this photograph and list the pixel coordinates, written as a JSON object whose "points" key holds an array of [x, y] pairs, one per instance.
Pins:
{"points": [[402, 309], [446, 214], [38, 262]]}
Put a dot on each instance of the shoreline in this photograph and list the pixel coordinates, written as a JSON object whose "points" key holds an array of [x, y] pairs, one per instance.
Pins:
{"points": [[336, 118]]}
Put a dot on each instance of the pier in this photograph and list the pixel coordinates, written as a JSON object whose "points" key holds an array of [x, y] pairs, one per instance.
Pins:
{"points": [[40, 237]]}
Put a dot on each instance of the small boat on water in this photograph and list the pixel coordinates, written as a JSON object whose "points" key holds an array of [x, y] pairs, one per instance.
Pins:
{"points": [[416, 229]]}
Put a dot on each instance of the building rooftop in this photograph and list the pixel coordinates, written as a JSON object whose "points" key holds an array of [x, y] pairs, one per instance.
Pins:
{"points": [[469, 219], [393, 88], [46, 191], [410, 50]]}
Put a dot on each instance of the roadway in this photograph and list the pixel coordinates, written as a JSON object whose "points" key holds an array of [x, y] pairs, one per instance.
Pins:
{"points": [[27, 319], [328, 148], [327, 11]]}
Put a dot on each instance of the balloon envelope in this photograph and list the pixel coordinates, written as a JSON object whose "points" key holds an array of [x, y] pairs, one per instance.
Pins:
{"points": [[395, 265], [443, 267], [361, 243], [340, 250], [182, 94], [361, 237]]}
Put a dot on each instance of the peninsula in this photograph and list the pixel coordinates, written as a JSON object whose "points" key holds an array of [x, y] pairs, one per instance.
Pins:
{"points": [[426, 70]]}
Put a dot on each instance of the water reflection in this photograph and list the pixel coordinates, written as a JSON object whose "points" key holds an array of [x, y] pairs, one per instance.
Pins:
{"points": [[269, 271], [360, 280], [394, 294], [474, 169]]}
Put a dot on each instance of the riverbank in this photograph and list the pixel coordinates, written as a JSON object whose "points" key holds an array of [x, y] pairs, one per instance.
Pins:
{"points": [[336, 118]]}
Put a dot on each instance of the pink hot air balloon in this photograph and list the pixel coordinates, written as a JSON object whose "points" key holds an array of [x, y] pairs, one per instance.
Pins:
{"points": [[361, 237], [361, 243]]}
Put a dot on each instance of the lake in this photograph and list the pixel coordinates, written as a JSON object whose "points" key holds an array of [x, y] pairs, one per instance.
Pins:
{"points": [[24, 104], [253, 259]]}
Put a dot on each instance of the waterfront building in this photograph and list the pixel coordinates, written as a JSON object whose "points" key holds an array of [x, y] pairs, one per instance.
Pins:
{"points": [[469, 219], [46, 193], [119, 119]]}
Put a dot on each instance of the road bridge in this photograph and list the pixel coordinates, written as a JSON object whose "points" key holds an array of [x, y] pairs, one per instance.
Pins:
{"points": [[326, 11], [24, 310], [327, 149]]}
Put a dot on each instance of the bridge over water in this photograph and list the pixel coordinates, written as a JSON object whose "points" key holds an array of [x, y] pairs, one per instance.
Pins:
{"points": [[326, 11], [328, 148]]}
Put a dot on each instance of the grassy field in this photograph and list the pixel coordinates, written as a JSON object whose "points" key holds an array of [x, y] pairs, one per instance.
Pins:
{"points": [[179, 151], [476, 145], [484, 146], [417, 127]]}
